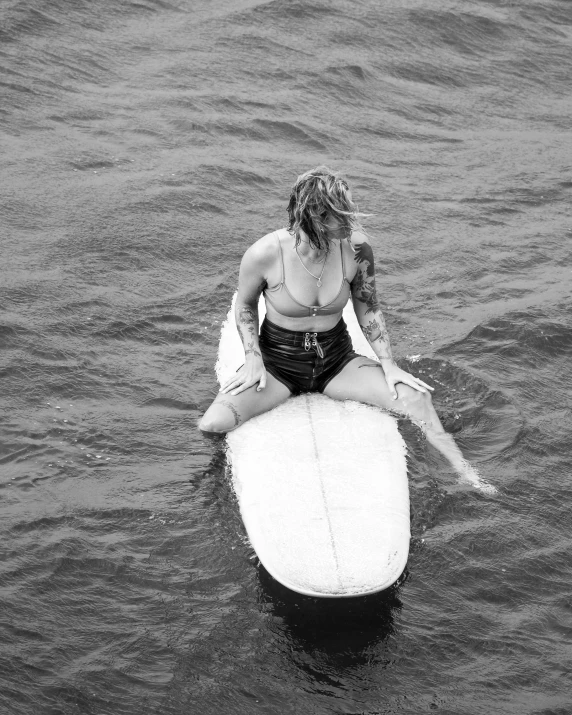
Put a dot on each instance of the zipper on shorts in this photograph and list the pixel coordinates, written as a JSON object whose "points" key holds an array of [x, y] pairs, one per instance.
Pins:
{"points": [[311, 341]]}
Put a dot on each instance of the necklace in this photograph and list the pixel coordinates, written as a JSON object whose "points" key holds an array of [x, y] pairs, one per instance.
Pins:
{"points": [[317, 278], [310, 259]]}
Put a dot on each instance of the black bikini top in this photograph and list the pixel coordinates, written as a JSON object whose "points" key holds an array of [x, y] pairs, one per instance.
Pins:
{"points": [[284, 302]]}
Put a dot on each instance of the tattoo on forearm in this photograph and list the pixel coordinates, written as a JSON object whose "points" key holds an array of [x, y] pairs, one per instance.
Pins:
{"points": [[246, 316], [374, 332], [251, 349], [371, 331], [247, 325], [234, 411]]}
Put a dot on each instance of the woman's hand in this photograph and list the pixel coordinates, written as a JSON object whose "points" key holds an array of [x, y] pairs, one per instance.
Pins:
{"points": [[394, 374], [252, 372]]}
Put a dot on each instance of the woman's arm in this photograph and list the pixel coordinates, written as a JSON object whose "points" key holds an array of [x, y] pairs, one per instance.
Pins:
{"points": [[370, 317], [251, 281], [372, 324]]}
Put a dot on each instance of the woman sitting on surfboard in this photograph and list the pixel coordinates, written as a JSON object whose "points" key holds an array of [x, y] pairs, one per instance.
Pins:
{"points": [[307, 272]]}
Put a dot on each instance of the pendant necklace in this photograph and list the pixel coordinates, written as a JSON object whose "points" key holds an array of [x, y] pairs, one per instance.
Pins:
{"points": [[317, 278]]}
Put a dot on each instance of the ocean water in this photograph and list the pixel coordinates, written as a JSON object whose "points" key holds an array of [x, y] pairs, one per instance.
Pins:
{"points": [[145, 145]]}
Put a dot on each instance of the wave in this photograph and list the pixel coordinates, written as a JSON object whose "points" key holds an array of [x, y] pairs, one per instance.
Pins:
{"points": [[40, 18], [529, 336]]}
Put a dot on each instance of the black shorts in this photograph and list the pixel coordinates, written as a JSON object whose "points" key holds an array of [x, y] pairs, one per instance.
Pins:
{"points": [[305, 361]]}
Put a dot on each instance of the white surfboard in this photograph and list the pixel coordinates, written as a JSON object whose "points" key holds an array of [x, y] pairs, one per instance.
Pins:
{"points": [[322, 486]]}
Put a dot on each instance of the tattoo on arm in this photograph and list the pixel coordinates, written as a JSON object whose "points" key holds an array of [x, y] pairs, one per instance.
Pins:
{"points": [[363, 290], [363, 284], [246, 316], [250, 349], [234, 411], [377, 333], [371, 331], [247, 325], [364, 255]]}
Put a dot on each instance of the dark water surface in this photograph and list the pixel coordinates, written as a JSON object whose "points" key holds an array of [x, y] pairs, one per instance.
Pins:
{"points": [[144, 146]]}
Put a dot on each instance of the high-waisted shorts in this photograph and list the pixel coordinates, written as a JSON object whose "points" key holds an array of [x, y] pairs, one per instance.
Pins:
{"points": [[305, 361]]}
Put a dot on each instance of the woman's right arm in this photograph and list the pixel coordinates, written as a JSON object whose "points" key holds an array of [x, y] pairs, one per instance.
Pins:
{"points": [[251, 282]]}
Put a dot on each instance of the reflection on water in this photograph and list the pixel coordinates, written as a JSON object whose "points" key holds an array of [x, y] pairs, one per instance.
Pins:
{"points": [[343, 632]]}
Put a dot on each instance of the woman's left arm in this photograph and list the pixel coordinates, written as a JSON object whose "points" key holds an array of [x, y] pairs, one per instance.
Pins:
{"points": [[370, 317]]}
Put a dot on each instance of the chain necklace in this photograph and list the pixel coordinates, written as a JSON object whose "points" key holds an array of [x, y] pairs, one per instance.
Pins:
{"points": [[317, 278]]}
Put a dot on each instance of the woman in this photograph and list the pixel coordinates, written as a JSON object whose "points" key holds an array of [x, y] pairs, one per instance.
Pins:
{"points": [[307, 273]]}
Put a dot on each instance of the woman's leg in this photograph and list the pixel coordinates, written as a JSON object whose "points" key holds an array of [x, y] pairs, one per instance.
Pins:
{"points": [[362, 380], [228, 411]]}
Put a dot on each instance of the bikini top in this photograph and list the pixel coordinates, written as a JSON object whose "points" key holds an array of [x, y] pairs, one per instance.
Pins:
{"points": [[284, 302]]}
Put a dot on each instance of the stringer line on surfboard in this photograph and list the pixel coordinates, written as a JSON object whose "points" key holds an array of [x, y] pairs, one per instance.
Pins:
{"points": [[323, 490]]}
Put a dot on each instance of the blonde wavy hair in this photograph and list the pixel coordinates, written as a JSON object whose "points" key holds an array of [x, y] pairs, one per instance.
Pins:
{"points": [[316, 196]]}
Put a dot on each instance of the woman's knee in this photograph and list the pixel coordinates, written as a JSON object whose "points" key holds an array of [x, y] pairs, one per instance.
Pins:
{"points": [[415, 402], [221, 417]]}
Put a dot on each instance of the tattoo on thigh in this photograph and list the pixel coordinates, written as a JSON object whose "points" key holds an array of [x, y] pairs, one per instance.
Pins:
{"points": [[233, 409], [370, 364]]}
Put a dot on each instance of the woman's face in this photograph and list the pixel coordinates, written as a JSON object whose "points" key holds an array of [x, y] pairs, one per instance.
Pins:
{"points": [[335, 229]]}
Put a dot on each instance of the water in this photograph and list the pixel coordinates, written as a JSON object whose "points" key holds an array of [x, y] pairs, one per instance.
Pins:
{"points": [[144, 146]]}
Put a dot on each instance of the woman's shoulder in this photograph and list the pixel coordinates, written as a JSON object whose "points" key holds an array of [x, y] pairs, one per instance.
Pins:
{"points": [[264, 251], [358, 238]]}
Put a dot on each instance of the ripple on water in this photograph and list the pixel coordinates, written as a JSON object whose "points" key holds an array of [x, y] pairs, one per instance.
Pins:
{"points": [[482, 417], [531, 337]]}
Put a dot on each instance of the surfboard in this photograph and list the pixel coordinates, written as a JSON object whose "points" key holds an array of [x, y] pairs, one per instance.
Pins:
{"points": [[321, 485]]}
